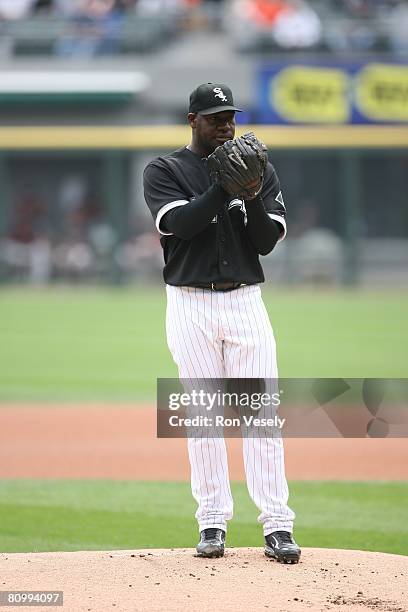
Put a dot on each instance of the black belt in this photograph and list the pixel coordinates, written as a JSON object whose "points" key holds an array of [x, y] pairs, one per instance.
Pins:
{"points": [[219, 286]]}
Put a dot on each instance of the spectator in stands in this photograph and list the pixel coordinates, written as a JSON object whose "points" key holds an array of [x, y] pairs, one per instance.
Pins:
{"points": [[213, 10], [297, 27], [259, 24], [11, 10], [15, 9], [26, 250], [125, 5], [45, 7], [359, 8], [97, 27], [365, 26], [398, 28], [68, 8], [28, 217], [263, 13], [250, 22], [155, 7]]}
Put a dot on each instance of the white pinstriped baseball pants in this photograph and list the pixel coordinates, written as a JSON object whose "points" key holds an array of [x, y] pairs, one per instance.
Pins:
{"points": [[228, 335]]}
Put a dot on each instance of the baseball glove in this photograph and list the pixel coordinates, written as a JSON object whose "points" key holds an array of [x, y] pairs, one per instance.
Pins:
{"points": [[239, 165]]}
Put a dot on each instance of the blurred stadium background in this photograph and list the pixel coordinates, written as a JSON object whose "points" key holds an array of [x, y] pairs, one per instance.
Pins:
{"points": [[90, 90]]}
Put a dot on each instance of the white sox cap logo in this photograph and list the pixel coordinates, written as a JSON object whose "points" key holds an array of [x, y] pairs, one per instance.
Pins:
{"points": [[220, 94]]}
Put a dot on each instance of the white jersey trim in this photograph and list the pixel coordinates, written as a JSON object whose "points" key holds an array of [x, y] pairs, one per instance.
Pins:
{"points": [[279, 198], [280, 220], [166, 209]]}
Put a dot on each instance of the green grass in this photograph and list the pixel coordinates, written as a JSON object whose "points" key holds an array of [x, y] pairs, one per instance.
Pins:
{"points": [[69, 344], [100, 515]]}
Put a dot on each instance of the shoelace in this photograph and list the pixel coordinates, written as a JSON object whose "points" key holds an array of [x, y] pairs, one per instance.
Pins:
{"points": [[284, 536], [210, 533]]}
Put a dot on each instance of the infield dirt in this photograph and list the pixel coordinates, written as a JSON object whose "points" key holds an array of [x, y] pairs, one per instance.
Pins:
{"points": [[119, 442], [244, 580]]}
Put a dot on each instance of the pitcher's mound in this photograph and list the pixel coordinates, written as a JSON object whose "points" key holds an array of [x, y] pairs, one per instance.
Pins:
{"points": [[243, 580]]}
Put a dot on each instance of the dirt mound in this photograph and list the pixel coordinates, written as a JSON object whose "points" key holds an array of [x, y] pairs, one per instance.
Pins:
{"points": [[173, 580]]}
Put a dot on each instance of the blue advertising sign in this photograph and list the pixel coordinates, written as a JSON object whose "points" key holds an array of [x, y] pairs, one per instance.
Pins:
{"points": [[323, 93]]}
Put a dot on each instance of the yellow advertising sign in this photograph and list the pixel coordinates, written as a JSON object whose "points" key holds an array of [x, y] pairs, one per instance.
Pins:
{"points": [[311, 94], [381, 92]]}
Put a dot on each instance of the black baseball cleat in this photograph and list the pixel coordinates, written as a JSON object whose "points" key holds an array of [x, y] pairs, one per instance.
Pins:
{"points": [[212, 543], [281, 546]]}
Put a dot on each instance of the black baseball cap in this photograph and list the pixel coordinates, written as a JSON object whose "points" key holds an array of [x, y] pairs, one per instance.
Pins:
{"points": [[210, 98]]}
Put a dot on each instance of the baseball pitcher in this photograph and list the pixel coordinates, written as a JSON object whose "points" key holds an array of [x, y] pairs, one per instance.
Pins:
{"points": [[218, 206]]}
